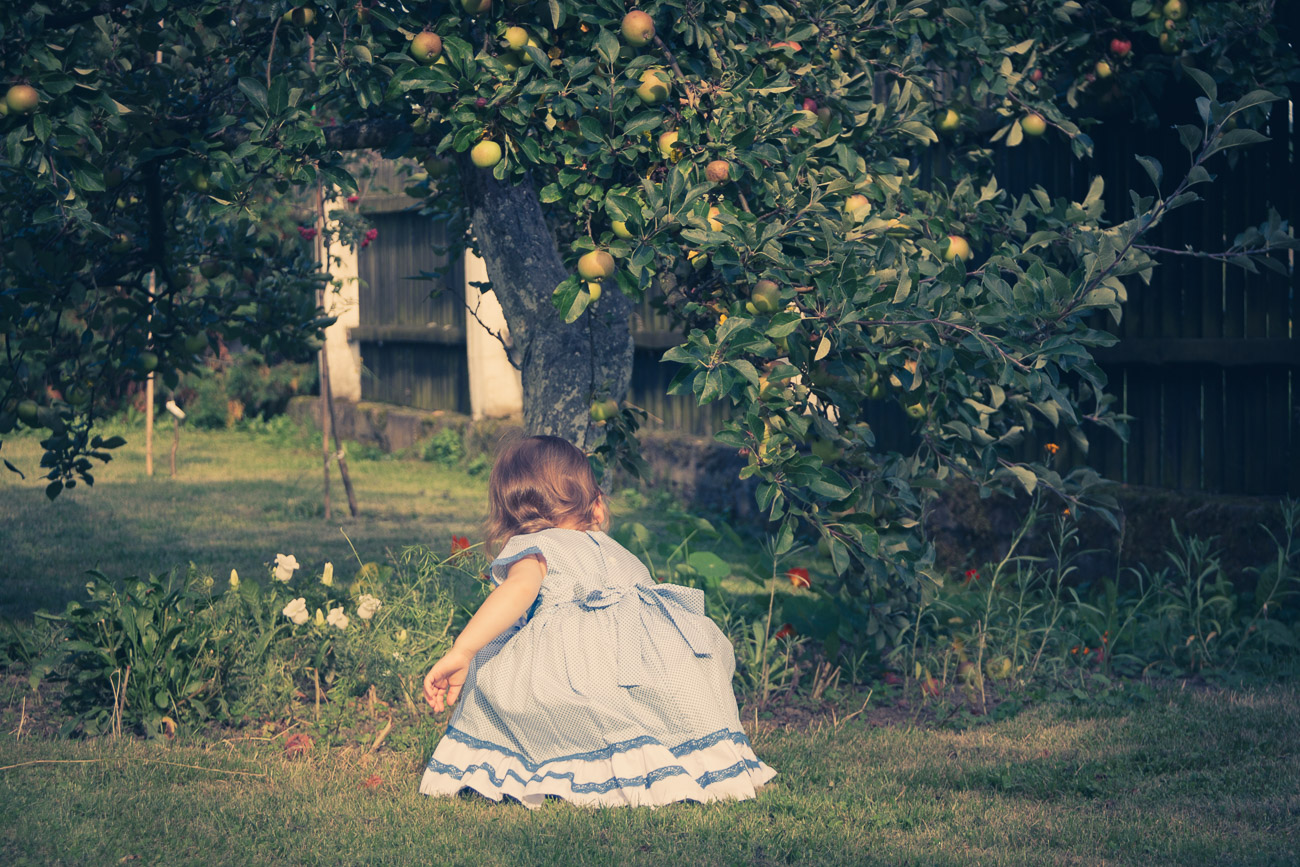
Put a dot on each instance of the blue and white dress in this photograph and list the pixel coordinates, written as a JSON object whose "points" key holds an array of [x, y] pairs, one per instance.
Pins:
{"points": [[612, 690]]}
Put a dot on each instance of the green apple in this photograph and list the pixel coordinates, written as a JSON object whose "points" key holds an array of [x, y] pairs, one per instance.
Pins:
{"points": [[476, 7], [302, 16], [426, 46], [594, 289], [196, 343], [857, 206], [655, 86], [146, 361], [765, 297], [638, 28], [958, 248], [596, 265], [1103, 69], [28, 412], [516, 37], [666, 142], [620, 228], [714, 223], [485, 154], [915, 410], [949, 121], [603, 410], [22, 99], [1175, 9], [1033, 124]]}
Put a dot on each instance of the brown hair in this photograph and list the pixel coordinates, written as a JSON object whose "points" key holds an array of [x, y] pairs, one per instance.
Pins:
{"points": [[539, 482]]}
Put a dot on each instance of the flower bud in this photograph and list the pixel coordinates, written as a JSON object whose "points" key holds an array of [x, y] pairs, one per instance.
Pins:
{"points": [[319, 620], [327, 577], [234, 580]]}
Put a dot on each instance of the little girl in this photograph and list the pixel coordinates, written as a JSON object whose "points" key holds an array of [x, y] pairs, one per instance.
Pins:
{"points": [[583, 679]]}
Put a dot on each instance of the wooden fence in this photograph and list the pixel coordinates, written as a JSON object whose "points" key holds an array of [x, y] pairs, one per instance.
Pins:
{"points": [[411, 334], [1207, 362]]}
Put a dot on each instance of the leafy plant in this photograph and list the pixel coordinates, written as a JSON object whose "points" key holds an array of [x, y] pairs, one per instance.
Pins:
{"points": [[148, 656]]}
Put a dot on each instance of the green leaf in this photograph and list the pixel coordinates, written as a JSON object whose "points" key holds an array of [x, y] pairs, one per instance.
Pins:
{"points": [[571, 298], [1204, 80], [1252, 99], [607, 45], [1025, 476], [710, 566], [255, 91], [1236, 138], [1154, 170]]}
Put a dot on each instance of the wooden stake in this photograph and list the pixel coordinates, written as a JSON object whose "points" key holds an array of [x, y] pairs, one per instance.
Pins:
{"points": [[176, 443], [148, 389]]}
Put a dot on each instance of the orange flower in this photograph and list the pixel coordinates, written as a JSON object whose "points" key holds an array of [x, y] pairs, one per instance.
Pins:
{"points": [[459, 545], [799, 577], [787, 631], [1052, 448]]}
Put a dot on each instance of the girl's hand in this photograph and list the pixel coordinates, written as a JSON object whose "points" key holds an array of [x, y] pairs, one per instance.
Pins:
{"points": [[443, 682]]}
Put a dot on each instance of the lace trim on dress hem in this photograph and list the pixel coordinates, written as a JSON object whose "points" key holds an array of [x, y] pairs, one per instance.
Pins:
{"points": [[644, 781], [700, 743]]}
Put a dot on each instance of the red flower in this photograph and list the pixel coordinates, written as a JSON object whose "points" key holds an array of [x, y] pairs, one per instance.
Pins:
{"points": [[307, 233], [297, 744], [799, 577], [364, 244], [372, 782], [353, 199], [892, 679], [459, 545], [787, 631], [972, 575], [372, 234]]}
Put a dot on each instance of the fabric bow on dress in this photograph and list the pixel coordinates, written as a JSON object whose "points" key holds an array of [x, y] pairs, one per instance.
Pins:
{"points": [[674, 601]]}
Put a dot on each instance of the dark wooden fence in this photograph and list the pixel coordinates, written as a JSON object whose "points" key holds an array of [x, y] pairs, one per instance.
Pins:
{"points": [[1207, 363], [411, 335], [1208, 357]]}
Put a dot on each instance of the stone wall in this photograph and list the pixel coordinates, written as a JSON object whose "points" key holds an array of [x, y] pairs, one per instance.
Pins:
{"points": [[966, 530]]}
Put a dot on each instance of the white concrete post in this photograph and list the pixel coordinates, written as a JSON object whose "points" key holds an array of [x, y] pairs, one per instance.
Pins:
{"points": [[495, 387], [341, 300]]}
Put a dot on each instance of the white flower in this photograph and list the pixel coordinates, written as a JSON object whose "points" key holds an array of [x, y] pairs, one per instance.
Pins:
{"points": [[337, 618], [285, 565], [327, 577], [234, 580], [296, 611], [367, 606]]}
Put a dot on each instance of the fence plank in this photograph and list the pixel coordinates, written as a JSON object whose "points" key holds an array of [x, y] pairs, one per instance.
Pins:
{"points": [[1212, 431]]}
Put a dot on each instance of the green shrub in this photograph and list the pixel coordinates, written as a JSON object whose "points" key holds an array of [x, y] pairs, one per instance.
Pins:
{"points": [[446, 448], [242, 386]]}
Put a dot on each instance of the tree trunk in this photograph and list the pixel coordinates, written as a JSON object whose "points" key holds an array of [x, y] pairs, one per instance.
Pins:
{"points": [[564, 367]]}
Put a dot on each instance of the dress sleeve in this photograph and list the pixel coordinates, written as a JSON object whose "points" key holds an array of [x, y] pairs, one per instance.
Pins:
{"points": [[515, 550]]}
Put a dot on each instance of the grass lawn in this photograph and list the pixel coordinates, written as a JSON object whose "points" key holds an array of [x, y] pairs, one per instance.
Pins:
{"points": [[236, 502], [1189, 777], [1164, 776]]}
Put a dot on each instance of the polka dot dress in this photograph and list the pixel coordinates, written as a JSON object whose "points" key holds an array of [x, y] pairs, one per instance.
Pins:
{"points": [[612, 690]]}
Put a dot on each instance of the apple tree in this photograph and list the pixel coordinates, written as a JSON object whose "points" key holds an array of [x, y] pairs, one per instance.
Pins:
{"points": [[767, 169]]}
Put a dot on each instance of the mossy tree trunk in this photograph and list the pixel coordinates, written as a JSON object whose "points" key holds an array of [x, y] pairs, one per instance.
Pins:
{"points": [[564, 366]]}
